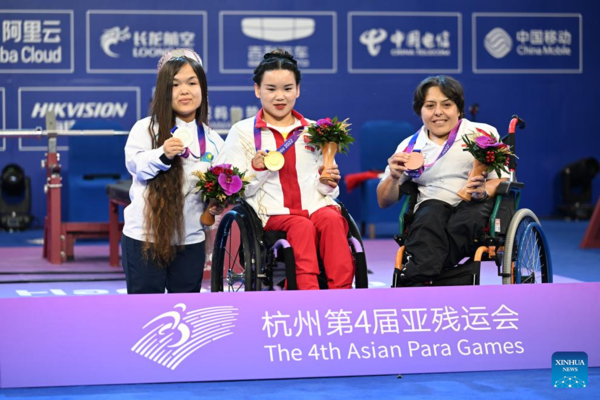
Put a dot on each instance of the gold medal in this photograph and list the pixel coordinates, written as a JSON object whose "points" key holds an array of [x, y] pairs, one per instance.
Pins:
{"points": [[274, 160]]}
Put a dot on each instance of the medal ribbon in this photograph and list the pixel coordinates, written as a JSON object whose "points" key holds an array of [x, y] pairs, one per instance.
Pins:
{"points": [[201, 140], [447, 145], [285, 146]]}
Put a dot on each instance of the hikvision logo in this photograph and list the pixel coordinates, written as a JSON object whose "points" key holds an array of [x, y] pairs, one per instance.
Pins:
{"points": [[498, 43], [175, 335], [81, 109], [113, 36]]}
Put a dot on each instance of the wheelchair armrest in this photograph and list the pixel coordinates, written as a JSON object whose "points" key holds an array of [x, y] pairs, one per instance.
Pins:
{"points": [[409, 188], [506, 187]]}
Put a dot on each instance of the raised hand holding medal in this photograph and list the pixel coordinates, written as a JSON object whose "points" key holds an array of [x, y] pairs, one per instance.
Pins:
{"points": [[274, 160]]}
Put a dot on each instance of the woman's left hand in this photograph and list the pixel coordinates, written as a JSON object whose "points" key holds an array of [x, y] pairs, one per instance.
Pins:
{"points": [[216, 209], [334, 172], [476, 186]]}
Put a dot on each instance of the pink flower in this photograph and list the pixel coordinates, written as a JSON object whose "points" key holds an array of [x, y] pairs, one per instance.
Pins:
{"points": [[485, 142], [324, 122], [231, 184]]}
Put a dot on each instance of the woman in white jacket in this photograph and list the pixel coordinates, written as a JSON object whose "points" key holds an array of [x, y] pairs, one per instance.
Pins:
{"points": [[291, 199], [444, 228], [163, 239]]}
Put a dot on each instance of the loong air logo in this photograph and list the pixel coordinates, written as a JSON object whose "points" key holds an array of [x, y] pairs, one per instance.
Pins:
{"points": [[133, 41], [34, 41], [171, 337]]}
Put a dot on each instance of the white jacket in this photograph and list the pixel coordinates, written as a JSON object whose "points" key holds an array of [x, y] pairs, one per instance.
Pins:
{"points": [[295, 189], [143, 163], [450, 173]]}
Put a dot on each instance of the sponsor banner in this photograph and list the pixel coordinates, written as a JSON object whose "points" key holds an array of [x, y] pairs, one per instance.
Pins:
{"points": [[527, 43], [35, 41], [273, 335], [115, 108], [230, 104], [245, 36], [132, 41], [3, 116], [404, 42]]}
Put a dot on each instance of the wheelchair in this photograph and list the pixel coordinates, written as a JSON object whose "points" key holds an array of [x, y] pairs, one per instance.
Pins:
{"points": [[247, 258], [513, 239]]}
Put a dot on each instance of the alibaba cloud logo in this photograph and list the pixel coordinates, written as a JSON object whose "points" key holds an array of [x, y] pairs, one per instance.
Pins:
{"points": [[278, 29], [498, 43], [175, 335], [113, 36]]}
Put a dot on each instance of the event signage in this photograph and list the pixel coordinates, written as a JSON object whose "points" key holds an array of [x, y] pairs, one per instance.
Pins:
{"points": [[76, 108], [527, 43], [245, 36], [58, 341], [3, 116], [404, 42], [36, 41], [230, 104], [132, 41]]}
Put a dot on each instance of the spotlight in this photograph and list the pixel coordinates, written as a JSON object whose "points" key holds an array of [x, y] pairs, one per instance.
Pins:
{"points": [[15, 198], [577, 188]]}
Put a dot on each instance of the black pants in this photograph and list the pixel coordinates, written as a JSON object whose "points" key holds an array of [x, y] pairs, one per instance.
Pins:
{"points": [[441, 235], [183, 275]]}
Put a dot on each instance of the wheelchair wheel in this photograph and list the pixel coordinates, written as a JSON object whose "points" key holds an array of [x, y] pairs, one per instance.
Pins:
{"points": [[526, 253], [234, 257]]}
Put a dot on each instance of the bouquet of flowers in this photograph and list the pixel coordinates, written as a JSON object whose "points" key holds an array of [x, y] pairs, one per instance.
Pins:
{"points": [[221, 184], [490, 155], [331, 136]]}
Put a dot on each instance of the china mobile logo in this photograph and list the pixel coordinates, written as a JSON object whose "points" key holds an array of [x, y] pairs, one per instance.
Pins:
{"points": [[176, 335], [113, 36], [373, 39], [498, 43]]}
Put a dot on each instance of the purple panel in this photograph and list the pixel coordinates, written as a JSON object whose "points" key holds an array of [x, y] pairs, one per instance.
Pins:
{"points": [[61, 341]]}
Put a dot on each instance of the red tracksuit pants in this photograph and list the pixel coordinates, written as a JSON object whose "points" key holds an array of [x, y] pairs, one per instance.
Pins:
{"points": [[327, 230]]}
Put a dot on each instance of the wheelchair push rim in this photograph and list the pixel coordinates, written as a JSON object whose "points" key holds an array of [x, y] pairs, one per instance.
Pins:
{"points": [[526, 254], [233, 256]]}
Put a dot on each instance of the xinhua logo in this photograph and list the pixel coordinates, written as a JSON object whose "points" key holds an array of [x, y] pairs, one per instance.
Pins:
{"points": [[569, 369]]}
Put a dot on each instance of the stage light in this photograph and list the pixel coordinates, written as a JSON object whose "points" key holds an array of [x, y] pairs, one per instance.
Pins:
{"points": [[577, 188], [15, 198]]}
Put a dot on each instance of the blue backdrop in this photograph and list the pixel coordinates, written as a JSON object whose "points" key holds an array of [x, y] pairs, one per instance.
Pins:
{"points": [[96, 62]]}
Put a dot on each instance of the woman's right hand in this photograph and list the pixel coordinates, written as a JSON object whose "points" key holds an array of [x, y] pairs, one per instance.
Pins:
{"points": [[173, 146], [396, 164], [258, 162]]}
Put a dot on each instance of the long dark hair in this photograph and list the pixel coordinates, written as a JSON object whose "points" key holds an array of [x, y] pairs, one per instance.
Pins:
{"points": [[277, 59], [164, 219]]}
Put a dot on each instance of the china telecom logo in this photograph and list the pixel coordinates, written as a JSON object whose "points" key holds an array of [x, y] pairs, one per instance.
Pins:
{"points": [[175, 335], [569, 370], [498, 43]]}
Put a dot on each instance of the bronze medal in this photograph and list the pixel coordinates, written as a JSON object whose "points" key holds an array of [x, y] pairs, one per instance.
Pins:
{"points": [[415, 161]]}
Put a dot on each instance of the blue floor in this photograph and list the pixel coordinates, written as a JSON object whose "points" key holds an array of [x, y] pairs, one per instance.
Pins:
{"points": [[568, 259], [514, 385]]}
